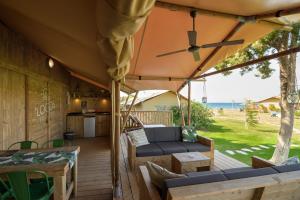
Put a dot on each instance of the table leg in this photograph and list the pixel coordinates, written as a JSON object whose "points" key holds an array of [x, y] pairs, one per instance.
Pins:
{"points": [[60, 188], [74, 177]]}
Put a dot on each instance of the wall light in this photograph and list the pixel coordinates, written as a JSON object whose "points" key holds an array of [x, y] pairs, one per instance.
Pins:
{"points": [[50, 62]]}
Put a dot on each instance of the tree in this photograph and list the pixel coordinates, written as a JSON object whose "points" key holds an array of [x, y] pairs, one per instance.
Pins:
{"points": [[276, 41]]}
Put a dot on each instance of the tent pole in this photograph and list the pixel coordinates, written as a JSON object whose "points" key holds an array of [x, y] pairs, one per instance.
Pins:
{"points": [[117, 187], [180, 108], [129, 110], [252, 62], [112, 145], [125, 104], [189, 103]]}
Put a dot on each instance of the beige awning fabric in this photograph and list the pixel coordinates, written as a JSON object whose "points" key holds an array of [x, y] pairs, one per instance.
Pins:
{"points": [[87, 36], [117, 22]]}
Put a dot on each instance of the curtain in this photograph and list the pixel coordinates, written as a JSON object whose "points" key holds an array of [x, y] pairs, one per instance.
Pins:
{"points": [[117, 22]]}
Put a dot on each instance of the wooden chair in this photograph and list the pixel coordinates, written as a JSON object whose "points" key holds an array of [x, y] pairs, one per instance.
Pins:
{"points": [[56, 143], [23, 189], [24, 144], [5, 190]]}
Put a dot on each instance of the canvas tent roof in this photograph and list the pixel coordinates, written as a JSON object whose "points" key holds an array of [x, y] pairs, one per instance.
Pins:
{"points": [[67, 31]]}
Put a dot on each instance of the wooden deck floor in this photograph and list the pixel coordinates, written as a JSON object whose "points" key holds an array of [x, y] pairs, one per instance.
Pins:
{"points": [[128, 180], [94, 169]]}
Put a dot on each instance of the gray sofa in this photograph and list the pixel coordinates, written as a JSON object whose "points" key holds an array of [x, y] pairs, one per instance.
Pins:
{"points": [[163, 142], [225, 176]]}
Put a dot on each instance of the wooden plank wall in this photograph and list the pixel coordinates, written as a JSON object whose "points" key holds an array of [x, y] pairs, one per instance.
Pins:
{"points": [[33, 97]]}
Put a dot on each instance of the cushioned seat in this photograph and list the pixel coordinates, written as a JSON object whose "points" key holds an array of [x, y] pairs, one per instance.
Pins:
{"points": [[193, 174], [240, 169], [195, 147], [287, 168], [163, 134], [149, 150], [171, 147], [242, 173]]}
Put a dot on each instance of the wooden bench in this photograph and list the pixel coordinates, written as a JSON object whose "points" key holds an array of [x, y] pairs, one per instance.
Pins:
{"points": [[280, 186]]}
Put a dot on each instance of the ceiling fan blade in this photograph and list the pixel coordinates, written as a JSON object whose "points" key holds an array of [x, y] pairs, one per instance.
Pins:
{"points": [[196, 55], [192, 35], [172, 52], [226, 43]]}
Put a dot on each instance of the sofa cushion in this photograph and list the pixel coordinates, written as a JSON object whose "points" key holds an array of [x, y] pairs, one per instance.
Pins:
{"points": [[138, 137], [177, 182], [171, 147], [193, 174], [250, 173], [240, 169], [287, 168], [163, 134], [158, 174], [151, 149], [195, 147]]}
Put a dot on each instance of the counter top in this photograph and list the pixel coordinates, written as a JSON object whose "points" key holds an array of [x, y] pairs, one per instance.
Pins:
{"points": [[88, 113]]}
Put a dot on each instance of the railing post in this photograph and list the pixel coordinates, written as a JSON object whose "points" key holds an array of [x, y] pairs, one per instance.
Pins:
{"points": [[189, 103]]}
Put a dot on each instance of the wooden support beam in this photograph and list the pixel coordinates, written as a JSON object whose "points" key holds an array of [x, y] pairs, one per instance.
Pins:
{"points": [[158, 78], [213, 53], [258, 193], [88, 80], [250, 18], [112, 145], [126, 101], [189, 103], [129, 110], [117, 186], [181, 111], [252, 62]]}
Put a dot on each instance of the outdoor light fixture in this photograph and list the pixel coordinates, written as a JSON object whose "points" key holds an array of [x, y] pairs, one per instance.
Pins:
{"points": [[50, 62]]}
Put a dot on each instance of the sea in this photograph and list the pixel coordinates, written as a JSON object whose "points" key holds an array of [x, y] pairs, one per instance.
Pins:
{"points": [[225, 105]]}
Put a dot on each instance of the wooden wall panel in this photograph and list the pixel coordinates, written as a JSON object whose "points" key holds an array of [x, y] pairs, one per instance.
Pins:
{"points": [[57, 108], [12, 107], [37, 110]]}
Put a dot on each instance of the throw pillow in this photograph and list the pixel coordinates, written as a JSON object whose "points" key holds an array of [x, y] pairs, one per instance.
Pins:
{"points": [[291, 161], [138, 137], [158, 174], [189, 134]]}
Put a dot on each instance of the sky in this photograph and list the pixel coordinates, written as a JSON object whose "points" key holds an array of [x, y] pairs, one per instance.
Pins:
{"points": [[239, 88], [236, 88]]}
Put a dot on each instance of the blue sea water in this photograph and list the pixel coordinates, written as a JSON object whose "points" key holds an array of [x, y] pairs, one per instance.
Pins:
{"points": [[225, 105]]}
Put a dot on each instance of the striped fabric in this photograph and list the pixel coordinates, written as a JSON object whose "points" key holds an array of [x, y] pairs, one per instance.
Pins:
{"points": [[138, 137]]}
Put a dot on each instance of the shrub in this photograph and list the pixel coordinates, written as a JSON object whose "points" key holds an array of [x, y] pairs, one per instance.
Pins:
{"points": [[273, 108], [251, 115], [201, 116], [263, 108]]}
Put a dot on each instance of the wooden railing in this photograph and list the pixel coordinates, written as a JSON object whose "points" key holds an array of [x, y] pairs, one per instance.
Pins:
{"points": [[148, 118]]}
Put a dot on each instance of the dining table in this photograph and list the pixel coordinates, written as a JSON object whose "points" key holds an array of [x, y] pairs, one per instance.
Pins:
{"points": [[56, 162]]}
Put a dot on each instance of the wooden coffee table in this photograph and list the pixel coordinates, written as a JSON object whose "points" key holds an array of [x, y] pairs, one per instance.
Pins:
{"points": [[189, 162]]}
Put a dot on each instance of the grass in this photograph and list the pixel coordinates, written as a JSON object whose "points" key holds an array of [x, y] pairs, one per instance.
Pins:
{"points": [[231, 134], [297, 123]]}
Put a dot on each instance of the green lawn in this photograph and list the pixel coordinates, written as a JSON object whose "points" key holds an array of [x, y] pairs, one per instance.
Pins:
{"points": [[297, 123], [230, 134]]}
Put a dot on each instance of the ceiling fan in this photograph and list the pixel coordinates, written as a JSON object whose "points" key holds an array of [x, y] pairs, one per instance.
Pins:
{"points": [[194, 48]]}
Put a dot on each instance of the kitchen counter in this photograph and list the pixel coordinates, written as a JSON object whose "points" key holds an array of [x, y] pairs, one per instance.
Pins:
{"points": [[75, 123], [88, 113]]}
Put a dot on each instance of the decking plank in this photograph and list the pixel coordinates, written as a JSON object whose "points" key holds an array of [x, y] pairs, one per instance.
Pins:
{"points": [[94, 170]]}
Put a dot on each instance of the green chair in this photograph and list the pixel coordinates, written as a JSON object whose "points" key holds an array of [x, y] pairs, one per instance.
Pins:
{"points": [[24, 190], [55, 143], [24, 144], [5, 190]]}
